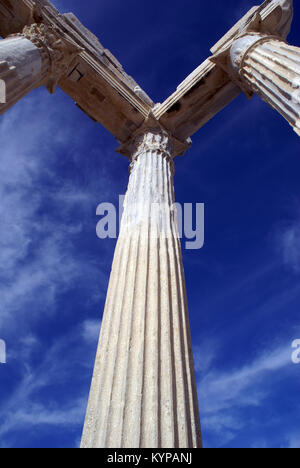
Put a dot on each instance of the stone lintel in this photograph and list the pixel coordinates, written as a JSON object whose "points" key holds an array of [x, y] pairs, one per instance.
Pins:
{"points": [[96, 80], [151, 123], [212, 86], [100, 87], [272, 19]]}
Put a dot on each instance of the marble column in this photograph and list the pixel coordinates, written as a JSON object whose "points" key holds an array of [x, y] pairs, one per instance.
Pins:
{"points": [[143, 392], [270, 67], [31, 59]]}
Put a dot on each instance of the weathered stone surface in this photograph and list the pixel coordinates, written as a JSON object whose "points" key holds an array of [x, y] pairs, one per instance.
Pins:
{"points": [[101, 88], [15, 14], [57, 51], [35, 57], [270, 67], [211, 87], [143, 392], [96, 82], [21, 69]]}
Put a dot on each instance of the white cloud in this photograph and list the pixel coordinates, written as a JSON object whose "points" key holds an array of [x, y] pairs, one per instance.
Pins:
{"points": [[37, 252], [286, 239], [294, 441], [90, 330], [224, 395], [205, 355], [40, 260], [290, 244], [28, 407]]}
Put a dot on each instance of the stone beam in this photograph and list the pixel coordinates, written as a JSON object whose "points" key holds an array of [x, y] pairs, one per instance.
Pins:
{"points": [[211, 87], [98, 84], [96, 80]]}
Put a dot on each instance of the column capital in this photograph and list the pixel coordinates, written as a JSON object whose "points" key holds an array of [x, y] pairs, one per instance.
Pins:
{"points": [[150, 140], [57, 51], [153, 136], [232, 59], [153, 139], [268, 66], [271, 21], [244, 44]]}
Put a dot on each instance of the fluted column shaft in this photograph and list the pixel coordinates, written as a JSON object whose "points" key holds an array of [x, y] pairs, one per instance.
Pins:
{"points": [[31, 59], [270, 67], [21, 69], [143, 391]]}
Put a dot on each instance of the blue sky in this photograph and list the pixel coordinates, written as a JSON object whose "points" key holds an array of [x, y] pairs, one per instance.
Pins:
{"points": [[243, 286]]}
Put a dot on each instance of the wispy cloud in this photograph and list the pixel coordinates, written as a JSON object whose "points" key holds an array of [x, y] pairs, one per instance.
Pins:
{"points": [[45, 212], [294, 441], [225, 395], [30, 406], [38, 233], [288, 245], [90, 330]]}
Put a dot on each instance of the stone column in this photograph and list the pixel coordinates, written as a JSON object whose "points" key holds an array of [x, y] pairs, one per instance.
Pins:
{"points": [[270, 67], [34, 58], [143, 392]]}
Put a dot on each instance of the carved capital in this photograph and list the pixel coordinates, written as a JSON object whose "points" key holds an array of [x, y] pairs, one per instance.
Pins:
{"points": [[268, 66], [57, 51], [232, 60], [152, 140], [243, 46], [152, 136], [270, 21]]}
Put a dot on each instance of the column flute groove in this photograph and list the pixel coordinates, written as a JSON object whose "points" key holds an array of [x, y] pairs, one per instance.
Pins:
{"points": [[35, 57], [120, 374], [141, 389], [270, 67], [115, 330]]}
